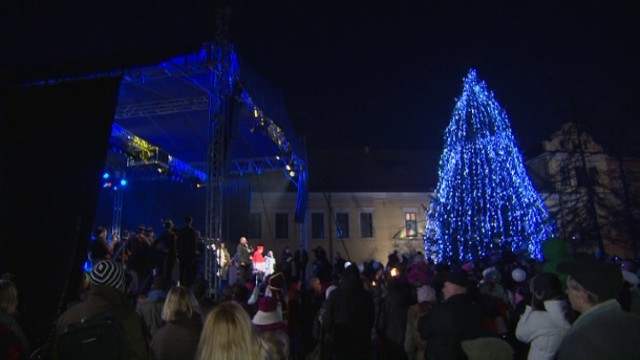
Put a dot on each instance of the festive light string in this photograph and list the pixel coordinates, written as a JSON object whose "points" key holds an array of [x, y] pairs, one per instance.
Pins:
{"points": [[484, 202]]}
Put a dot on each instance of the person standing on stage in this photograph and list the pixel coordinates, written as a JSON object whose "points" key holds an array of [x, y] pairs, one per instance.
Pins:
{"points": [[243, 258], [187, 248]]}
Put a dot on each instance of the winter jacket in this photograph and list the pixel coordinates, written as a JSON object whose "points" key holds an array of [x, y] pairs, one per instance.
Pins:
{"points": [[603, 332], [104, 299], [544, 330], [177, 340], [448, 324]]}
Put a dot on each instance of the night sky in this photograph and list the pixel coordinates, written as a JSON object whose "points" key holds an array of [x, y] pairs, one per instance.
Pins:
{"points": [[368, 72], [386, 74]]}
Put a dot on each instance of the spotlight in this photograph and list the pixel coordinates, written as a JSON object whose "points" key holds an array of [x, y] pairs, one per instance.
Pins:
{"points": [[105, 175], [123, 182], [107, 184], [292, 173]]}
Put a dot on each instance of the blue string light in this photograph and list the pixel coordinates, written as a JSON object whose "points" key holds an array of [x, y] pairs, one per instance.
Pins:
{"points": [[484, 202]]}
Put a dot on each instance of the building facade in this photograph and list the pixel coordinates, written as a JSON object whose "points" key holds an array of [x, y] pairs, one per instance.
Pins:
{"points": [[593, 196]]}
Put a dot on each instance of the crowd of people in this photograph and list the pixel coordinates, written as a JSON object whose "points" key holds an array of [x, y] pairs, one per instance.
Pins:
{"points": [[569, 306]]}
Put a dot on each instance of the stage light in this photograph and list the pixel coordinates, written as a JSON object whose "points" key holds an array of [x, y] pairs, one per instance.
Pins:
{"points": [[123, 182], [105, 175], [107, 184], [292, 173]]}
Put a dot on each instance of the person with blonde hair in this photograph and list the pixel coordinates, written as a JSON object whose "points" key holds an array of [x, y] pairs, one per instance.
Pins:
{"points": [[229, 334], [179, 337]]}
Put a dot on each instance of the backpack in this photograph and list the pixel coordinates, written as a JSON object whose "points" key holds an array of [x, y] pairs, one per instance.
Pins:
{"points": [[99, 337]]}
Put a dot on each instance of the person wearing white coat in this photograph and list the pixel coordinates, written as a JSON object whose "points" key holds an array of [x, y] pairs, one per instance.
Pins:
{"points": [[544, 323], [269, 263]]}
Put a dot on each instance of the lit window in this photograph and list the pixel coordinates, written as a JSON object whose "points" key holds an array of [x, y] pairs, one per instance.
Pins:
{"points": [[411, 224]]}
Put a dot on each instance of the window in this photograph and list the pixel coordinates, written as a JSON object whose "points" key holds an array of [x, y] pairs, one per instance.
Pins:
{"points": [[342, 225], [282, 226], [255, 226], [366, 225], [317, 225], [411, 224]]}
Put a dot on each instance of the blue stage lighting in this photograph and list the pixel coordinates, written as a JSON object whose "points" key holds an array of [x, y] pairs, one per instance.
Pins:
{"points": [[105, 175], [123, 182]]}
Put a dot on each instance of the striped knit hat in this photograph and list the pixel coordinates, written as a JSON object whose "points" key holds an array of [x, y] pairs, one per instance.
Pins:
{"points": [[107, 273]]}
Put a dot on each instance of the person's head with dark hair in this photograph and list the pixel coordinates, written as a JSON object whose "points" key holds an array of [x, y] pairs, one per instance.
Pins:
{"points": [[591, 282], [188, 220], [351, 272], [168, 224], [100, 232], [545, 286]]}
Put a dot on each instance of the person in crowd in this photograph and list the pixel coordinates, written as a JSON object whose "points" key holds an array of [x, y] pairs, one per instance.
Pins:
{"points": [[338, 264], [279, 342], [243, 258], [118, 247], [150, 234], [267, 317], [286, 265], [494, 302], [14, 344], [556, 252], [187, 251], [414, 346], [224, 262], [139, 264], [107, 281], [349, 317], [165, 246], [151, 302], [275, 289], [229, 334], [392, 260], [269, 264], [456, 319], [301, 259], [98, 246], [179, 337], [603, 330], [629, 296], [321, 267], [521, 290], [392, 318], [544, 322]]}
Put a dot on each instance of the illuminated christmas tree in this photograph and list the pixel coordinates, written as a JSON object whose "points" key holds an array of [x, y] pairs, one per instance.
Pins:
{"points": [[485, 202]]}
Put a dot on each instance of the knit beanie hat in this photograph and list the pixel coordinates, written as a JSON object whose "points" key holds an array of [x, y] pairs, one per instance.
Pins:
{"points": [[107, 273]]}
